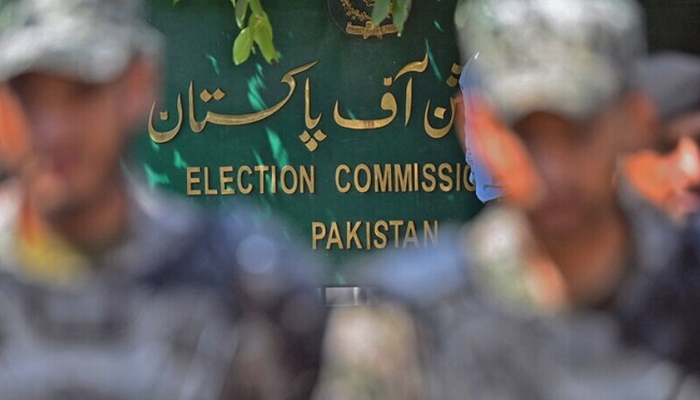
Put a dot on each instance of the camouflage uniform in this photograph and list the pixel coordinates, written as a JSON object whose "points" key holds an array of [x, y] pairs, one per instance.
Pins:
{"points": [[666, 320], [187, 305], [470, 322], [460, 322]]}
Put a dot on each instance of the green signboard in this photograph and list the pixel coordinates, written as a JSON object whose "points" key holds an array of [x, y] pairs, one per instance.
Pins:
{"points": [[349, 136]]}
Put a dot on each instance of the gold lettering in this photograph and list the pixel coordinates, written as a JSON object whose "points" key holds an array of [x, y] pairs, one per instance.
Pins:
{"points": [[283, 179], [446, 183], [352, 235], [396, 224], [403, 180], [415, 177], [207, 190], [409, 100], [430, 177], [430, 232], [261, 169], [338, 170], [273, 179], [458, 180], [318, 230], [247, 188], [191, 180], [224, 180], [368, 236], [411, 235], [465, 177], [380, 229], [362, 188], [307, 180], [382, 178], [334, 237]]}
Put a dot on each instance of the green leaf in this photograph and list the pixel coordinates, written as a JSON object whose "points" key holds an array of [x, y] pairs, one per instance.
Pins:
{"points": [[256, 7], [400, 12], [380, 11], [263, 38], [242, 46], [263, 26], [175, 1], [241, 10]]}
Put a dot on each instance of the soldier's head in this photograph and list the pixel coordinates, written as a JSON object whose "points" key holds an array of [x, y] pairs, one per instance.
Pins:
{"points": [[556, 74], [84, 73], [669, 173]]}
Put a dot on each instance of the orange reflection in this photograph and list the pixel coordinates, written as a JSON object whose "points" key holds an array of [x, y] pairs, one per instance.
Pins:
{"points": [[504, 154], [13, 131], [669, 181]]}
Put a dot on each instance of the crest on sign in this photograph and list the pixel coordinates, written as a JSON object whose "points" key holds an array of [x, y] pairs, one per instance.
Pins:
{"points": [[354, 17]]}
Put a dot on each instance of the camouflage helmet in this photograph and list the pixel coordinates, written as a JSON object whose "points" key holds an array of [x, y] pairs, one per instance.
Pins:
{"points": [[571, 57], [90, 40]]}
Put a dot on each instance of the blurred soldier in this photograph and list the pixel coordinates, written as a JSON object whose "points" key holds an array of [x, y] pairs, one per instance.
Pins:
{"points": [[533, 300], [106, 289], [669, 174]]}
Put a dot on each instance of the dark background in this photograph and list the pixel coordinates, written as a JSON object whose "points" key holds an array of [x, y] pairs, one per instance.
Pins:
{"points": [[673, 25]]}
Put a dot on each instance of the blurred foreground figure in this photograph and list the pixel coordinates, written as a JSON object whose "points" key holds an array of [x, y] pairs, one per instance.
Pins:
{"points": [[669, 173], [669, 176], [108, 291], [535, 298]]}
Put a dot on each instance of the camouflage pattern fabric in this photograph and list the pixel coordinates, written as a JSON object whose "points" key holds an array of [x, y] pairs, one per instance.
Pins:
{"points": [[187, 307], [475, 331]]}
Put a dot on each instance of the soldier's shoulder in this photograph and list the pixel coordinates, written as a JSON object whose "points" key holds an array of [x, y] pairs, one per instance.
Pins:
{"points": [[420, 277], [470, 261]]}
